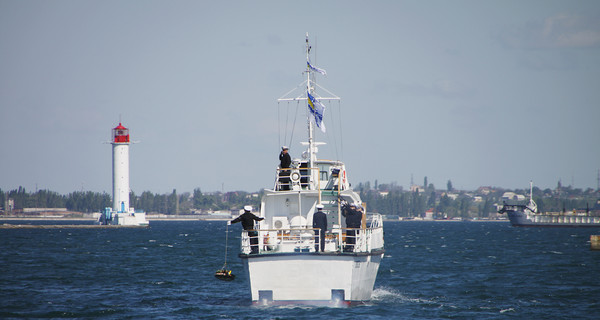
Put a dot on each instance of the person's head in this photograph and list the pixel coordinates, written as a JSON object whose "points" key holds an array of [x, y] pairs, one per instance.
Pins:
{"points": [[284, 149], [248, 208], [319, 207]]}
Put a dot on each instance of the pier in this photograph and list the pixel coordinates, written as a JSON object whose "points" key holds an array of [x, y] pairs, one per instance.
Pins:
{"points": [[67, 226]]}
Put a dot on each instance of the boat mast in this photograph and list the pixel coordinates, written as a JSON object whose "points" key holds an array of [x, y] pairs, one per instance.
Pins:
{"points": [[530, 191], [303, 96], [532, 204], [309, 89]]}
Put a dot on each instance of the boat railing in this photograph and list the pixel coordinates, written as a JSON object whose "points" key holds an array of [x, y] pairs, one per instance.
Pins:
{"points": [[304, 240], [293, 178]]}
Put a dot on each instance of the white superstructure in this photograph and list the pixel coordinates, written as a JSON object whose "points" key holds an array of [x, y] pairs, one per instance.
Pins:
{"points": [[281, 257]]}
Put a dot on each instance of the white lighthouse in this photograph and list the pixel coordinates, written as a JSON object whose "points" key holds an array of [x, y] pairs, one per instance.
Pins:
{"points": [[121, 213], [120, 157]]}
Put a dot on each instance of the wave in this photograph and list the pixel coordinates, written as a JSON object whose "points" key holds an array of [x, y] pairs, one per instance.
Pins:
{"points": [[385, 294]]}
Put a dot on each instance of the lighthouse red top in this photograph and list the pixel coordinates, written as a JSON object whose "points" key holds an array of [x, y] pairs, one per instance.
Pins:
{"points": [[120, 134]]}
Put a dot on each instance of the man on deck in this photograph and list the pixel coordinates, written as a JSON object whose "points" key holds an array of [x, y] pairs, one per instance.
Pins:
{"points": [[320, 223], [353, 215], [285, 161], [247, 218]]}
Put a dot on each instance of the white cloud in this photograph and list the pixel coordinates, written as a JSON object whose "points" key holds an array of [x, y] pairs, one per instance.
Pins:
{"points": [[558, 31], [441, 88]]}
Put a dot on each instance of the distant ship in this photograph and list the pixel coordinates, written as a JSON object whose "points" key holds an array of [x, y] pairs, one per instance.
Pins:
{"points": [[527, 215], [281, 258]]}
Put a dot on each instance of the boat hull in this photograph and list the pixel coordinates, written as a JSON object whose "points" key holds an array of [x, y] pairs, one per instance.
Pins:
{"points": [[521, 219], [313, 278]]}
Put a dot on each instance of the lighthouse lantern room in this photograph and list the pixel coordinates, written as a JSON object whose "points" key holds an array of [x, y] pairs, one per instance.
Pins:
{"points": [[120, 134]]}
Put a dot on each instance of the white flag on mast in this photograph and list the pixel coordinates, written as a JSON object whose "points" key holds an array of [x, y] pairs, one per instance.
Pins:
{"points": [[316, 69]]}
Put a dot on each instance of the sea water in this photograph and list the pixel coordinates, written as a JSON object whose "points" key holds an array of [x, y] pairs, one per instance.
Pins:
{"points": [[431, 270]]}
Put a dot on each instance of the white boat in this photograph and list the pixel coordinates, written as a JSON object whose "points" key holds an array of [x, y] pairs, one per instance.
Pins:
{"points": [[284, 266]]}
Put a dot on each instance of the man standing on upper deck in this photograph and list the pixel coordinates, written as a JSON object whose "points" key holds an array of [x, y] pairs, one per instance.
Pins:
{"points": [[285, 161], [247, 219], [284, 158]]}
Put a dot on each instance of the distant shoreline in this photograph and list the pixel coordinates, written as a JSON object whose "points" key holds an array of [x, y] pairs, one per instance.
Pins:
{"points": [[92, 219], [443, 220], [180, 218]]}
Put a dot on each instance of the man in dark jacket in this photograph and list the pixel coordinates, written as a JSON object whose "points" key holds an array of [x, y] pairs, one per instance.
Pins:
{"points": [[285, 162], [320, 222], [247, 218], [353, 215]]}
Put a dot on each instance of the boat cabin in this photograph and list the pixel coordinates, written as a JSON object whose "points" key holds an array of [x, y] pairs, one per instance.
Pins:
{"points": [[288, 210]]}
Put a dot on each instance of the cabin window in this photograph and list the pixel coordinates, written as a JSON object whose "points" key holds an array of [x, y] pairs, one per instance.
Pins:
{"points": [[324, 172], [324, 175]]}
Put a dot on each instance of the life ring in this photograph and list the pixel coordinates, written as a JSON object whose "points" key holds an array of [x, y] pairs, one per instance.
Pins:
{"points": [[295, 176]]}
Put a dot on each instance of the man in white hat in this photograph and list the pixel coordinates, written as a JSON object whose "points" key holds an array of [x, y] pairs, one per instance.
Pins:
{"points": [[320, 222], [247, 218], [285, 161]]}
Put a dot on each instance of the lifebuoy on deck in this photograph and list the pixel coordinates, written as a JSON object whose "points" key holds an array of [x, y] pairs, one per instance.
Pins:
{"points": [[295, 176]]}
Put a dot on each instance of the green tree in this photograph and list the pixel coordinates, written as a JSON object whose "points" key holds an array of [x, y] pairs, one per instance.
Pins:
{"points": [[487, 208], [464, 205], [197, 198], [172, 203], [431, 200]]}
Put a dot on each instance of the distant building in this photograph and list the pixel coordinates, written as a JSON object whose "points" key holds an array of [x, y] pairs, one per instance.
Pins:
{"points": [[9, 205], [452, 196], [484, 190], [417, 188], [429, 214], [513, 196], [35, 210]]}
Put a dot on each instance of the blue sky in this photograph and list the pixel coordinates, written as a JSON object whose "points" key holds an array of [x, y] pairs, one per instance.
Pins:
{"points": [[482, 93]]}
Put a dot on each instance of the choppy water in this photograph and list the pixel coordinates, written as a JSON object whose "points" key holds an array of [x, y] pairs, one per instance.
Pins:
{"points": [[431, 270]]}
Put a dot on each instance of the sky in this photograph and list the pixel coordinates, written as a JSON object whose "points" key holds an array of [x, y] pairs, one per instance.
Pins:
{"points": [[481, 93]]}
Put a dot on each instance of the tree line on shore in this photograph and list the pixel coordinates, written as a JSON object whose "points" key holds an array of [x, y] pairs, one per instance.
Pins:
{"points": [[170, 203], [391, 199], [387, 199]]}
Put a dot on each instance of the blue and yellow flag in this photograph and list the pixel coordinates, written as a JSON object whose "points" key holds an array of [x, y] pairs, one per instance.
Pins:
{"points": [[317, 109]]}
